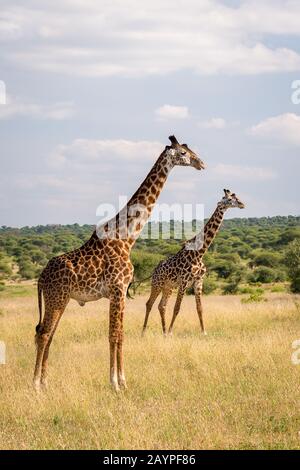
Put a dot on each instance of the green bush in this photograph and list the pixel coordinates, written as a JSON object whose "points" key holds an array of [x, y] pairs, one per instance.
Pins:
{"points": [[5, 266], [278, 289], [144, 263], [266, 258], [251, 290], [255, 297], [27, 269], [295, 284], [209, 285], [292, 261], [230, 288], [263, 274]]}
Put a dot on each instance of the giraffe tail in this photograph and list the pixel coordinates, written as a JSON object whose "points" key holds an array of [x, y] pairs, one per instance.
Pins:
{"points": [[40, 291], [128, 294]]}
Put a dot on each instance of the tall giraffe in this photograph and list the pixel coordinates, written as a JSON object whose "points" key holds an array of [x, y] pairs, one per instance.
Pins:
{"points": [[186, 268], [102, 267]]}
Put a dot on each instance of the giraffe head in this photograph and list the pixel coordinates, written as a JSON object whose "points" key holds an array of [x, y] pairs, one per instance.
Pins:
{"points": [[230, 200], [181, 154]]}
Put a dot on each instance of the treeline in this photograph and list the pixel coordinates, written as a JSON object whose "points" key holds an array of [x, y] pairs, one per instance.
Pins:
{"points": [[251, 251]]}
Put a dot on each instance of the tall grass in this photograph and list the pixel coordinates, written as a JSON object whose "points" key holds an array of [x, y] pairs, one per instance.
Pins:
{"points": [[234, 389]]}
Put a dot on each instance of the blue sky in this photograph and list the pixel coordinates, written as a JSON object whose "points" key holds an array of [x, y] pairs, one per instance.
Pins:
{"points": [[94, 88]]}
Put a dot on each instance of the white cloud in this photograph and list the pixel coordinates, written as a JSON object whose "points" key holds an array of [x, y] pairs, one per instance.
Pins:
{"points": [[133, 38], [86, 173], [217, 123], [245, 173], [168, 112], [285, 128], [214, 123], [15, 107], [105, 153]]}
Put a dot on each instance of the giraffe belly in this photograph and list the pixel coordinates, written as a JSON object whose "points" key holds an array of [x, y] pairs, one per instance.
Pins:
{"points": [[90, 294]]}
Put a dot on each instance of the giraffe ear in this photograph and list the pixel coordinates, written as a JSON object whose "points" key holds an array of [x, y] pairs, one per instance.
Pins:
{"points": [[173, 140]]}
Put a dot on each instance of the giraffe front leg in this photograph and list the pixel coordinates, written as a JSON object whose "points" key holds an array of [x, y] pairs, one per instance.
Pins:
{"points": [[120, 359], [116, 313], [198, 295], [120, 365], [177, 306], [113, 344]]}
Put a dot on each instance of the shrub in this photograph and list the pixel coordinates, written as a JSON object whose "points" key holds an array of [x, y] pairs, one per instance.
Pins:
{"points": [[292, 261], [278, 289], [209, 285], [263, 274], [230, 288], [266, 258], [144, 263], [255, 297], [251, 290]]}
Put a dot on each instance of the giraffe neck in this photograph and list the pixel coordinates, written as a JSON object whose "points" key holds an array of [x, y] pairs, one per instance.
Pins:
{"points": [[211, 229], [129, 222]]}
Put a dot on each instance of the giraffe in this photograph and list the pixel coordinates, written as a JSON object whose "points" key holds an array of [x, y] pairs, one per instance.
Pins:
{"points": [[101, 267], [186, 267]]}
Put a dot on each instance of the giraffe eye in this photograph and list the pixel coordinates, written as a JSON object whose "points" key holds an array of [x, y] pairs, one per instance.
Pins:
{"points": [[183, 152]]}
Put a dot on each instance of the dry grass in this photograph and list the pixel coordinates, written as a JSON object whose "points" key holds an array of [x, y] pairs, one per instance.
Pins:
{"points": [[236, 388]]}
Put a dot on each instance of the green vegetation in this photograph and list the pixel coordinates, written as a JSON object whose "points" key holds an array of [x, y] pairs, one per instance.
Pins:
{"points": [[292, 261], [251, 251]]}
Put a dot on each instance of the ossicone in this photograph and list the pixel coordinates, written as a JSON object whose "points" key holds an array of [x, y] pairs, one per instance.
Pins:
{"points": [[173, 140]]}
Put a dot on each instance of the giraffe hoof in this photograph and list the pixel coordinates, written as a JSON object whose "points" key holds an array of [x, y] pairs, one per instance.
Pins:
{"points": [[37, 386], [205, 333], [44, 384], [115, 387], [123, 385]]}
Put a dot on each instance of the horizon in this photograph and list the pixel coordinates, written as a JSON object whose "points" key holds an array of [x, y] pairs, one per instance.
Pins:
{"points": [[5, 227]]}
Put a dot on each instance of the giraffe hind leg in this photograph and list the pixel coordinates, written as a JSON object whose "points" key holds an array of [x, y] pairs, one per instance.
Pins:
{"points": [[43, 339], [153, 296], [198, 296], [44, 382], [177, 306], [162, 306]]}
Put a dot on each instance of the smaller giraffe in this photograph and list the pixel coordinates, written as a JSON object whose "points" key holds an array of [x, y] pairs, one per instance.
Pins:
{"points": [[186, 268]]}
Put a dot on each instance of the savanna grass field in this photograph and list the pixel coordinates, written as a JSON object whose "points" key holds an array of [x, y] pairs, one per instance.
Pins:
{"points": [[235, 388]]}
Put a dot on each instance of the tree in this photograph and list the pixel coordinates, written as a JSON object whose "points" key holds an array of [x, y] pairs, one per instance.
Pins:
{"points": [[292, 261], [263, 274], [5, 266], [265, 258], [209, 285], [144, 263]]}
